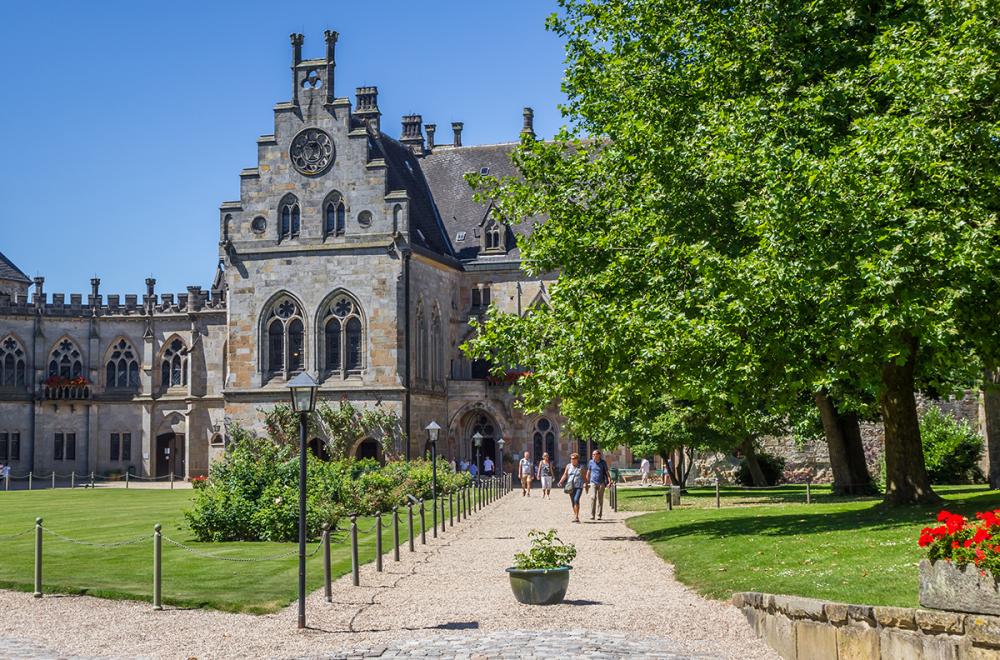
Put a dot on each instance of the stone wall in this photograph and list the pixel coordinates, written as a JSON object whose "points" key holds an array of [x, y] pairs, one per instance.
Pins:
{"points": [[798, 628], [811, 460]]}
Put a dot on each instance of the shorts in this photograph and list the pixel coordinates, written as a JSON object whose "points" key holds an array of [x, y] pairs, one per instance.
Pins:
{"points": [[546, 483], [525, 482]]}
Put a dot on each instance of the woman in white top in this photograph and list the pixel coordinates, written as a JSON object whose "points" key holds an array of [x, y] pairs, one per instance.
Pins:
{"points": [[573, 478], [545, 475]]}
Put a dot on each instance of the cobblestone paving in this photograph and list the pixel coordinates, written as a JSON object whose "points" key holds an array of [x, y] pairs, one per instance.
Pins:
{"points": [[508, 644]]}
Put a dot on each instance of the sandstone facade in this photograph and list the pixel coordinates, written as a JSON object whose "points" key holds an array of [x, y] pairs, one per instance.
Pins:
{"points": [[351, 255]]}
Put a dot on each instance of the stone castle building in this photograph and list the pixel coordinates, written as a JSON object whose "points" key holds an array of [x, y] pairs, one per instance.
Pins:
{"points": [[352, 255]]}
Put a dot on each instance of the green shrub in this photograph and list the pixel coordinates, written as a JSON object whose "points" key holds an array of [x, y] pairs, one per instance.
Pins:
{"points": [[951, 449], [253, 494], [773, 468]]}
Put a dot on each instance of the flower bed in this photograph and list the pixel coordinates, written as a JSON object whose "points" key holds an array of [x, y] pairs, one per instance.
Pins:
{"points": [[965, 542], [963, 563]]}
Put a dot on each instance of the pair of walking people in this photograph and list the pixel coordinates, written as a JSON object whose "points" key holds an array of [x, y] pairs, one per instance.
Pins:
{"points": [[595, 478], [545, 473]]}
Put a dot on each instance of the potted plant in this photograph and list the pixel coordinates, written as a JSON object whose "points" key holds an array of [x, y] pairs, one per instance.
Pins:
{"points": [[540, 576], [962, 568]]}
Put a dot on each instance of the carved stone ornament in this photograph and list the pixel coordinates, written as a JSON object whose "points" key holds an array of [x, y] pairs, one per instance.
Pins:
{"points": [[311, 152]]}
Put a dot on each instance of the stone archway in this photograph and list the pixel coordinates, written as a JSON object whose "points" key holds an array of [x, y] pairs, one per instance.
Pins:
{"points": [[482, 422]]}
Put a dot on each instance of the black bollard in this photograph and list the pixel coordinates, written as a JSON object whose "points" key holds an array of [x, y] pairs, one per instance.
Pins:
{"points": [[378, 541], [355, 568], [395, 533]]}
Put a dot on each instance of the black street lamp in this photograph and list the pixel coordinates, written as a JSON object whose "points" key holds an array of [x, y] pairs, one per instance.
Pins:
{"points": [[303, 390], [432, 435], [500, 444], [477, 440]]}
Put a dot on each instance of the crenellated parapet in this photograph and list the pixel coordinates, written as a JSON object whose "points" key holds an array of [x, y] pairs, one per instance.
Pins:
{"points": [[195, 299]]}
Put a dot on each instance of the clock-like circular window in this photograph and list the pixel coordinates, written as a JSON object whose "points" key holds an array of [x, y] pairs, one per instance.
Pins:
{"points": [[258, 224], [311, 151], [365, 218]]}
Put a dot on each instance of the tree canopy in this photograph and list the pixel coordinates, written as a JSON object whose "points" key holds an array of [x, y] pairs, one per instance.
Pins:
{"points": [[760, 200]]}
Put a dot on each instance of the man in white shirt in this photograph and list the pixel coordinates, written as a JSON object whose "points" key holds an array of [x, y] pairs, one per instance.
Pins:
{"points": [[488, 467], [644, 471], [524, 473]]}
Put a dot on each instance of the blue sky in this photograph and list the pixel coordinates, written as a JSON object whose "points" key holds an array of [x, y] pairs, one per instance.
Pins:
{"points": [[127, 123]]}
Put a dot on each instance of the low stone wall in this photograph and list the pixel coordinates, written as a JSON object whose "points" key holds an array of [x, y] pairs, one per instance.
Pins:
{"points": [[804, 628]]}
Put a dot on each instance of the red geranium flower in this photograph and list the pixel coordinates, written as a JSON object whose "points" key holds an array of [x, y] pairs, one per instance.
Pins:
{"points": [[981, 535]]}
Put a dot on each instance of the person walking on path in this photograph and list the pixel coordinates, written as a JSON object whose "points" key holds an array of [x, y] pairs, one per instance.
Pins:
{"points": [[598, 478], [545, 475], [572, 482], [488, 467], [644, 471], [524, 474]]}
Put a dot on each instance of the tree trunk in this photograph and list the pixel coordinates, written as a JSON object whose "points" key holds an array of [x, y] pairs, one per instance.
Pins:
{"points": [[906, 479], [991, 410], [835, 443], [861, 479], [750, 454], [847, 454]]}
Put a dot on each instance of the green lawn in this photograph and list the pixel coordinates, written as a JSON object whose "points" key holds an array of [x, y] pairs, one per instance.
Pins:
{"points": [[842, 549], [112, 515]]}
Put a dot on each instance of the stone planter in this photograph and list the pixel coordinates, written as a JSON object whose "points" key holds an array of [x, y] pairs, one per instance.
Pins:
{"points": [[539, 586], [944, 586]]}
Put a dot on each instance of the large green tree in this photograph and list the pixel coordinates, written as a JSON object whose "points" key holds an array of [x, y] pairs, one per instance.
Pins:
{"points": [[778, 197]]}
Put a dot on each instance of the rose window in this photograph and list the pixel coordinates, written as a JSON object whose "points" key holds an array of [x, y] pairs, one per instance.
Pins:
{"points": [[311, 151]]}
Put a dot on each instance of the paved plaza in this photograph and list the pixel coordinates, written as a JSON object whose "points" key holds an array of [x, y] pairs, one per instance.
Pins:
{"points": [[450, 598]]}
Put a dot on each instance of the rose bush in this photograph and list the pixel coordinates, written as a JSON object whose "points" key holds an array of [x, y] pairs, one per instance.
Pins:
{"points": [[964, 542]]}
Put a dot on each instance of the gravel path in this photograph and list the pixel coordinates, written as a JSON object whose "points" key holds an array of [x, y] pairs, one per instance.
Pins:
{"points": [[451, 598]]}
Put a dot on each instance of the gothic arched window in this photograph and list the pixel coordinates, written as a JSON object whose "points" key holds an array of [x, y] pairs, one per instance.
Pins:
{"points": [[66, 361], [343, 337], [12, 363], [285, 346], [335, 215], [122, 369], [544, 440], [493, 235], [437, 348], [290, 216], [173, 366], [422, 361]]}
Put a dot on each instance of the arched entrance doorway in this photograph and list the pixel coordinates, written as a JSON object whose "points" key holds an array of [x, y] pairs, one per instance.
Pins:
{"points": [[170, 455], [483, 424], [368, 449], [318, 449]]}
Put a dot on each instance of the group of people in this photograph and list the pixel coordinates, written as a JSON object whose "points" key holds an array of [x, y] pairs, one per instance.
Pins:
{"points": [[594, 478], [466, 466]]}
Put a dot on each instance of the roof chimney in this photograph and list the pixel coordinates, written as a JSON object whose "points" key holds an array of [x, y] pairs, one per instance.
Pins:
{"points": [[430, 135], [412, 136], [296, 40], [366, 106], [529, 123], [331, 41], [456, 127]]}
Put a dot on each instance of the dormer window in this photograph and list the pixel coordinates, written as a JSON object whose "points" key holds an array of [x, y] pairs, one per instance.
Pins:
{"points": [[493, 236]]}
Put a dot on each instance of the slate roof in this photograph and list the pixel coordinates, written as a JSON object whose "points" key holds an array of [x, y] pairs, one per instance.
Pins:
{"points": [[445, 171], [404, 173], [8, 271]]}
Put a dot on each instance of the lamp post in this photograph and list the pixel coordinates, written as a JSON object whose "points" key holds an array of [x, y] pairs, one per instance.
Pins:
{"points": [[432, 435], [303, 392], [477, 440], [500, 444]]}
